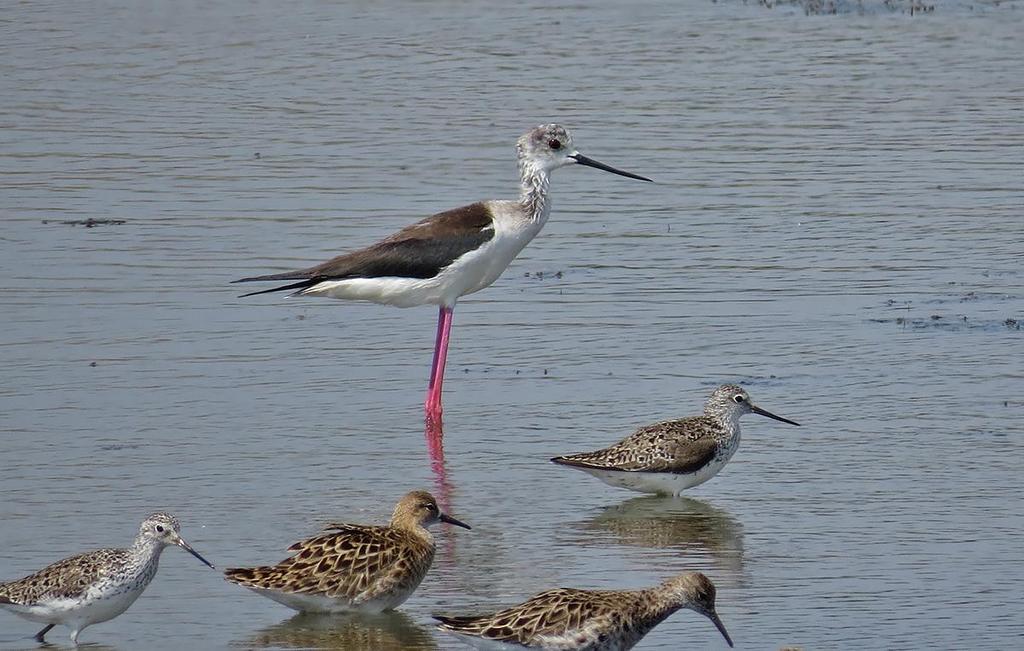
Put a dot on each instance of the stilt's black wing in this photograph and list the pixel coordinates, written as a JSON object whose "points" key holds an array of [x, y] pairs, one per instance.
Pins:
{"points": [[421, 250]]}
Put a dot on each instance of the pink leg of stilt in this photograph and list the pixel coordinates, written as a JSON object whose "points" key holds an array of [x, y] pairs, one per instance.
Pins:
{"points": [[432, 405], [437, 349]]}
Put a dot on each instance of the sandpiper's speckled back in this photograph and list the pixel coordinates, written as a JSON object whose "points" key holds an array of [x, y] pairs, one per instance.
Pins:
{"points": [[65, 579]]}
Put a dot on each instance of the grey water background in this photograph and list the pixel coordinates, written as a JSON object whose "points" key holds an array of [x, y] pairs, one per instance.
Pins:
{"points": [[837, 224]]}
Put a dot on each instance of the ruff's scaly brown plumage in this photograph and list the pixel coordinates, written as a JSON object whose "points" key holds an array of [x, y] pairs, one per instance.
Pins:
{"points": [[587, 620], [353, 566]]}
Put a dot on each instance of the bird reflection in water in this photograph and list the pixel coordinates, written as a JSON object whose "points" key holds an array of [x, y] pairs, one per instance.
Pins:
{"points": [[433, 434], [682, 523], [389, 631]]}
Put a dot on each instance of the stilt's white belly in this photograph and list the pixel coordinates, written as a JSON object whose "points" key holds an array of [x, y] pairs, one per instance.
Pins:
{"points": [[390, 290], [469, 273]]}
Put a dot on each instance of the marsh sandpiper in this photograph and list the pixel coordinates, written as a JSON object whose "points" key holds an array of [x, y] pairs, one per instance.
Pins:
{"points": [[670, 456], [96, 586]]}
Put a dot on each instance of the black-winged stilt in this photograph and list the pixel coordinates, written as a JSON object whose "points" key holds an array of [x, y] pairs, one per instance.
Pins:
{"points": [[450, 254]]}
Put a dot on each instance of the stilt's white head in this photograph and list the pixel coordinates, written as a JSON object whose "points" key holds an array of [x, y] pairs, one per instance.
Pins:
{"points": [[546, 148]]}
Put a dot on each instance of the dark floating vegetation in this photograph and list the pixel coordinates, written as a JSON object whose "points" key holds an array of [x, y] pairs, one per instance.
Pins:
{"points": [[501, 371], [836, 7], [113, 447], [540, 275], [749, 380], [90, 222], [960, 309], [935, 317], [954, 323]]}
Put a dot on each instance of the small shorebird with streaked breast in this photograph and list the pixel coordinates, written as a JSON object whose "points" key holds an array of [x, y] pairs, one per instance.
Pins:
{"points": [[673, 455], [96, 586], [587, 620], [354, 567], [444, 257]]}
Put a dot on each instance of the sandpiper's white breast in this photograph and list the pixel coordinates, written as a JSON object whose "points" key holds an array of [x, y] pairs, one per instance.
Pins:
{"points": [[103, 607], [487, 645], [666, 483], [312, 603], [102, 601], [569, 641]]}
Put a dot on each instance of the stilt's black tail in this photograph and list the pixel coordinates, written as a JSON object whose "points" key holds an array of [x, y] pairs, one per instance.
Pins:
{"points": [[302, 284]]}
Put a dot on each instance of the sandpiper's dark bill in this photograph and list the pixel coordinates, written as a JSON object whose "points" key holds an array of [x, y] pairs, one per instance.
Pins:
{"points": [[187, 547], [444, 517], [720, 626], [763, 412]]}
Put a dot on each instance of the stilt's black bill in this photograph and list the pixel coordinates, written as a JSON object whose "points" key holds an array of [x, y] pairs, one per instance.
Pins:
{"points": [[590, 162], [758, 410], [444, 517], [713, 616]]}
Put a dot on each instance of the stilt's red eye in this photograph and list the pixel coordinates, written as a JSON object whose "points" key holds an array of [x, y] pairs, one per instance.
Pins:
{"points": [[555, 144]]}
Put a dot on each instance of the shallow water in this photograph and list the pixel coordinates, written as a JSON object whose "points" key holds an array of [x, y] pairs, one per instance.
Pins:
{"points": [[836, 223]]}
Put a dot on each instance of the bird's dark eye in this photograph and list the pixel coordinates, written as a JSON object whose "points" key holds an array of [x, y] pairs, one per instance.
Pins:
{"points": [[555, 144], [159, 528], [738, 398]]}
